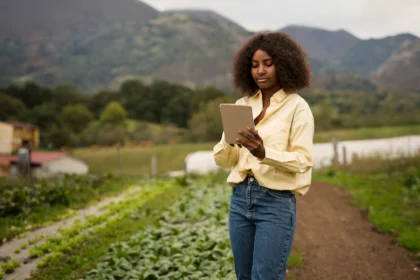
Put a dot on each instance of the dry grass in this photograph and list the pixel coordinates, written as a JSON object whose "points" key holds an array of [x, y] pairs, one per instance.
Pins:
{"points": [[137, 160], [381, 163]]}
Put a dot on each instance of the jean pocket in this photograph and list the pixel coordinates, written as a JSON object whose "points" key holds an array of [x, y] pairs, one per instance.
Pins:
{"points": [[277, 194]]}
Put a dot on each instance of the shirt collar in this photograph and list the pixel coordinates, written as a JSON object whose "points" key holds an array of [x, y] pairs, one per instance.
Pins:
{"points": [[278, 96]]}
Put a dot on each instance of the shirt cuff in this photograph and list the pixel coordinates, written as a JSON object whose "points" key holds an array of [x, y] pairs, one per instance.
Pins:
{"points": [[271, 156]]}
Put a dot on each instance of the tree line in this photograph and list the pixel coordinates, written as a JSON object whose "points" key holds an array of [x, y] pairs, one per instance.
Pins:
{"points": [[162, 112]]}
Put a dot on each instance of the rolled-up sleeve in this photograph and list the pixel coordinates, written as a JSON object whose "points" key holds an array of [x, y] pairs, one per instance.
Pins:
{"points": [[298, 159], [225, 155]]}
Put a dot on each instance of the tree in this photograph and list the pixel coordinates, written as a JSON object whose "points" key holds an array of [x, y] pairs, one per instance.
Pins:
{"points": [[76, 117], [134, 97], [31, 94], [12, 108], [104, 134], [325, 115], [114, 114], [66, 95], [56, 136], [97, 102], [203, 95], [178, 111], [45, 115], [206, 124]]}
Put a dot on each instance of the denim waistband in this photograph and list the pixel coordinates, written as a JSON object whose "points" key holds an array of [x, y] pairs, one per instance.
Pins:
{"points": [[250, 178]]}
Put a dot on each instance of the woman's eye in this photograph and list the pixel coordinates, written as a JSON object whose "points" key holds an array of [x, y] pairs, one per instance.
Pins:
{"points": [[254, 65], [269, 63]]}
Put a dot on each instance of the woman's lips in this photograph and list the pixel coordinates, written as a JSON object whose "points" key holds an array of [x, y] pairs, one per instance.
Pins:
{"points": [[262, 80]]}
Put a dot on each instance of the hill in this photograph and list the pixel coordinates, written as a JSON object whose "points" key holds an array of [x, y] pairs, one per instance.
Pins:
{"points": [[320, 43], [344, 81], [367, 55], [343, 51], [402, 70], [173, 45], [43, 40]]}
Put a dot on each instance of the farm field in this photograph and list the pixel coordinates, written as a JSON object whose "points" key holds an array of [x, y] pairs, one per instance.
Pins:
{"points": [[139, 237], [185, 219], [137, 160], [135, 227]]}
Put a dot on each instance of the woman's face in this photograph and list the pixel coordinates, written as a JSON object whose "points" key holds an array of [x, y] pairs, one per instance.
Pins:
{"points": [[263, 70]]}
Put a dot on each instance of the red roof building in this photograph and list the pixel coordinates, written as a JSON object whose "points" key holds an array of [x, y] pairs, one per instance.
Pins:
{"points": [[44, 164]]}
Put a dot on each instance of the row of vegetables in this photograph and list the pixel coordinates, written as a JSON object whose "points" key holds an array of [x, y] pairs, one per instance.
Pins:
{"points": [[189, 241]]}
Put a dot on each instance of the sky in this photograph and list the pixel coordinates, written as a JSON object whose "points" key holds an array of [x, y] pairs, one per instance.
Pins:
{"points": [[363, 18]]}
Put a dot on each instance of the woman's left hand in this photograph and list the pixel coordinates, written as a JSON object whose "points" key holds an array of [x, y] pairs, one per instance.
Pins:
{"points": [[253, 142]]}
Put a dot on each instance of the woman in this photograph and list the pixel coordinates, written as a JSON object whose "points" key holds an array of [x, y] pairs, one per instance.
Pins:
{"points": [[273, 163]]}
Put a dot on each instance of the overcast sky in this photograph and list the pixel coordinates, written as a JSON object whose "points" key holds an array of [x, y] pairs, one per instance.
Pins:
{"points": [[363, 18]]}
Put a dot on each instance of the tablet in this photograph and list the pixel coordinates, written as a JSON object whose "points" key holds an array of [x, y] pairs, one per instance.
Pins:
{"points": [[235, 117]]}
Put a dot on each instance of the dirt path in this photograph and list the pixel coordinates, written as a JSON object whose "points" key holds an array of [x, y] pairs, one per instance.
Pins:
{"points": [[338, 243]]}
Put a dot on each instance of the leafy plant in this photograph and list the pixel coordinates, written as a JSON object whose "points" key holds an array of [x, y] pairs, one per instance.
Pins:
{"points": [[24, 207], [189, 241], [17, 198], [10, 266], [70, 238]]}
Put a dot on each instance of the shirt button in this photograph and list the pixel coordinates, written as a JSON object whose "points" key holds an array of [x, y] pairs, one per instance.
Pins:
{"points": [[251, 179]]}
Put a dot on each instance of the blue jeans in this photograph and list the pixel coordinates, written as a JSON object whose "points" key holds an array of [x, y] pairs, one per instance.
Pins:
{"points": [[261, 229]]}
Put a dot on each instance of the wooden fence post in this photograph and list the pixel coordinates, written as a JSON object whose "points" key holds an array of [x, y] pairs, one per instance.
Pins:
{"points": [[335, 149], [344, 155], [154, 165]]}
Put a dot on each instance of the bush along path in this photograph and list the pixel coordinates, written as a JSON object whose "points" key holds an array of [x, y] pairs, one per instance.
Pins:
{"points": [[20, 257]]}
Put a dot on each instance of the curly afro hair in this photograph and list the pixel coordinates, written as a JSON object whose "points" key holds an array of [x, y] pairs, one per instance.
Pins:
{"points": [[289, 58]]}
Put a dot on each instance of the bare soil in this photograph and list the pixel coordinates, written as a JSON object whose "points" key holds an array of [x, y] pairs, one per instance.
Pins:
{"points": [[338, 242]]}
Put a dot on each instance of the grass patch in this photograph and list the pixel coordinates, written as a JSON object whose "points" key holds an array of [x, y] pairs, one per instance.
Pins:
{"points": [[137, 160], [75, 264], [295, 259]]}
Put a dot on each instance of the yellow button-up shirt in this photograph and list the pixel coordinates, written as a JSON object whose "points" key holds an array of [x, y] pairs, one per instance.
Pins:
{"points": [[287, 130]]}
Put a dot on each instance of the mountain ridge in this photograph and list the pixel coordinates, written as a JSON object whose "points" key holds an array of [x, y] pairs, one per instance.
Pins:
{"points": [[100, 45]]}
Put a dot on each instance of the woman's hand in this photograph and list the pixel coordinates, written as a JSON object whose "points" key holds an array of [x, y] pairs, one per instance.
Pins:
{"points": [[253, 142]]}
